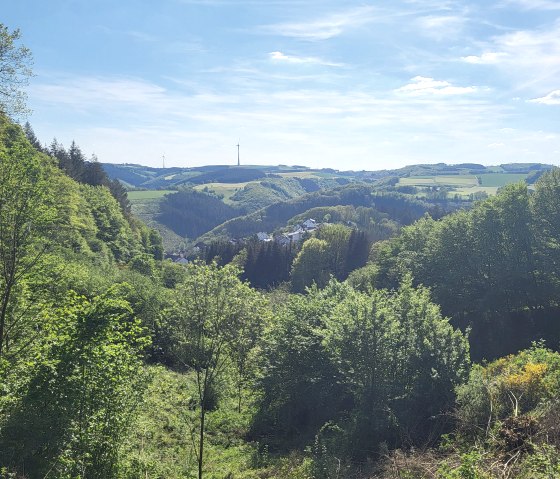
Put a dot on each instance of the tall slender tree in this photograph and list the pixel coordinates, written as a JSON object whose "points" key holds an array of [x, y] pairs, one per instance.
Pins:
{"points": [[15, 70], [215, 319]]}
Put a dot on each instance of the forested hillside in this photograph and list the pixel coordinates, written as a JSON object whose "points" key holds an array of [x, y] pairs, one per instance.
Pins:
{"points": [[115, 363], [264, 198], [326, 325]]}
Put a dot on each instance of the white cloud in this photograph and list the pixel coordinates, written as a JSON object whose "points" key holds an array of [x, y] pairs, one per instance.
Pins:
{"points": [[324, 28], [282, 57], [553, 98], [428, 86], [78, 91], [487, 58], [530, 57], [371, 129]]}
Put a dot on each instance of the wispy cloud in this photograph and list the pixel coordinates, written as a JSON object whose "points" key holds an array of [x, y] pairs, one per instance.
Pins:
{"points": [[535, 4], [441, 27], [81, 91], [319, 124], [323, 28], [420, 86], [553, 98], [530, 57], [141, 36], [283, 58]]}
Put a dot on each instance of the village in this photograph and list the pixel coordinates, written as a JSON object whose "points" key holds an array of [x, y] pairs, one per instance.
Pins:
{"points": [[298, 233]]}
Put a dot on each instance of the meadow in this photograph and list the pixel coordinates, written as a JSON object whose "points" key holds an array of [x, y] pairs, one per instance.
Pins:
{"points": [[450, 180], [465, 185], [147, 194], [227, 190], [500, 179]]}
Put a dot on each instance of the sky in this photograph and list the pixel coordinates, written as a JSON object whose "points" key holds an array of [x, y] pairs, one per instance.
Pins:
{"points": [[361, 85]]}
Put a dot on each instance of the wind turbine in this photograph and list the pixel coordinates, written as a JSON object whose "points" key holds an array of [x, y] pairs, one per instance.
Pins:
{"points": [[238, 163]]}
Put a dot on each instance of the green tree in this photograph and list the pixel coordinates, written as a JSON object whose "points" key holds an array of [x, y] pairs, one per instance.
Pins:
{"points": [[545, 206], [337, 238], [400, 359], [300, 386], [27, 217], [83, 386], [311, 265], [15, 70], [32, 138], [215, 317]]}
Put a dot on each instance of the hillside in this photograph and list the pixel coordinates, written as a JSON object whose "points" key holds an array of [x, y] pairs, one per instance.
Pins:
{"points": [[252, 190], [332, 359]]}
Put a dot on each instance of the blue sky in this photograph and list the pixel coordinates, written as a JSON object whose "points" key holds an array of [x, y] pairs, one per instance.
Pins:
{"points": [[339, 84]]}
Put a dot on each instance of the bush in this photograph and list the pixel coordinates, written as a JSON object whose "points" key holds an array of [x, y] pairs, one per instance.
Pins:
{"points": [[517, 384]]}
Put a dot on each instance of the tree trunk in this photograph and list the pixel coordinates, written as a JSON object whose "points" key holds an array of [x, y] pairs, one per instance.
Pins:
{"points": [[3, 314], [201, 445]]}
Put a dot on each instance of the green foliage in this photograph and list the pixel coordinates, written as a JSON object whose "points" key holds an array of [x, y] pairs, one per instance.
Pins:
{"points": [[112, 227], [191, 213], [311, 265], [489, 268], [79, 394], [467, 469], [15, 70], [300, 387], [400, 208], [509, 386], [376, 225], [400, 359], [27, 218], [335, 251], [216, 321], [255, 196], [383, 364], [267, 264]]}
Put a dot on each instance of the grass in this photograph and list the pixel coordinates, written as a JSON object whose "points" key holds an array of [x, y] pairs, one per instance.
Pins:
{"points": [[160, 443], [145, 205], [465, 185], [501, 179], [451, 181], [489, 190], [227, 190], [147, 194], [301, 174]]}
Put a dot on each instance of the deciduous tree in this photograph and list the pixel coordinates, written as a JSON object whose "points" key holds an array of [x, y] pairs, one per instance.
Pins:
{"points": [[215, 319], [15, 70]]}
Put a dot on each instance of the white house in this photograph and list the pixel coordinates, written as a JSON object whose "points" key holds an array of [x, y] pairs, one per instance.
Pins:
{"points": [[262, 236], [296, 236], [310, 224]]}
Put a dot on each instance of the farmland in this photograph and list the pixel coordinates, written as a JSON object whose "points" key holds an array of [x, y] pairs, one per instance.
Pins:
{"points": [[451, 181], [147, 194], [500, 179], [464, 185], [227, 190]]}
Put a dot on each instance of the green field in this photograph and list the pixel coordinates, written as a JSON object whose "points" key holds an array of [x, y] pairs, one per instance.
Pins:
{"points": [[466, 192], [488, 181], [450, 180], [501, 179], [302, 174], [147, 194], [225, 189]]}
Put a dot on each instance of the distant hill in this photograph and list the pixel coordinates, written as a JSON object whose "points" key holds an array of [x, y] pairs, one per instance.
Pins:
{"points": [[224, 201]]}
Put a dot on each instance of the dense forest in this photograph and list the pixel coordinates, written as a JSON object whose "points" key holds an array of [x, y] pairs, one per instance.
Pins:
{"points": [[116, 363], [403, 341]]}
